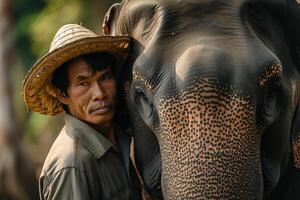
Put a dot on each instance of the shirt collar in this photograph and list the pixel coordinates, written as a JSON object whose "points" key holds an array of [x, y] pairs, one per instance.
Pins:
{"points": [[94, 141]]}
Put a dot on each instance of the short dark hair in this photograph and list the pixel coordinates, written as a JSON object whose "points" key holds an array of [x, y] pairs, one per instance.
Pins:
{"points": [[97, 61]]}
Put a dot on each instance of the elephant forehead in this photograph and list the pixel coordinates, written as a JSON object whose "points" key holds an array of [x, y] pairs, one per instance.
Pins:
{"points": [[208, 131], [191, 56]]}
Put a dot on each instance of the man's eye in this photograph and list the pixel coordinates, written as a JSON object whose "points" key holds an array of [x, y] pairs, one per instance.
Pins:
{"points": [[107, 77], [84, 83]]}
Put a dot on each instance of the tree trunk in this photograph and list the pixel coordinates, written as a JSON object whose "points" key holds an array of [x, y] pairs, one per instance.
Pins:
{"points": [[16, 176]]}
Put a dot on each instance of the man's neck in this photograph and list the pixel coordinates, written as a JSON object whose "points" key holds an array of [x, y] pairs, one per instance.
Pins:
{"points": [[107, 130]]}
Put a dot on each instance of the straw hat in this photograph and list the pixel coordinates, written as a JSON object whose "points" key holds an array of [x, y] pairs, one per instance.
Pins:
{"points": [[70, 41]]}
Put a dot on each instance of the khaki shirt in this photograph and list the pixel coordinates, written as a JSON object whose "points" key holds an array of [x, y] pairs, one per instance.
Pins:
{"points": [[82, 164]]}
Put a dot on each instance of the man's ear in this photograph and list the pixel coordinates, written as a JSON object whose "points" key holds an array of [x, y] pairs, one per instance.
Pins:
{"points": [[62, 97], [109, 18]]}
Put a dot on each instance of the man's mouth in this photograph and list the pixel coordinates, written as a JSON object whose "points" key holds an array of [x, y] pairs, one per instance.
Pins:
{"points": [[101, 109]]}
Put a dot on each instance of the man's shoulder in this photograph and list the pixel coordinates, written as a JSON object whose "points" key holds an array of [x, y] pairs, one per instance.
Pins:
{"points": [[66, 152]]}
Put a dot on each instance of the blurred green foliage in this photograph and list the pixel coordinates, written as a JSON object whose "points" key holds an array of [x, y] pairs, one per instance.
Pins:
{"points": [[36, 22], [58, 12], [25, 12]]}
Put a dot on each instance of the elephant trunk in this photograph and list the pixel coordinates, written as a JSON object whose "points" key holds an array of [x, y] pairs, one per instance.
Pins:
{"points": [[209, 144]]}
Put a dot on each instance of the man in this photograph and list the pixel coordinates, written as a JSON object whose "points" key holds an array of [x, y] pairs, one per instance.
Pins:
{"points": [[90, 157]]}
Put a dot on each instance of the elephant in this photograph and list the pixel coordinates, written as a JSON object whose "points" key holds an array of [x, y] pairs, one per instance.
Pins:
{"points": [[213, 93]]}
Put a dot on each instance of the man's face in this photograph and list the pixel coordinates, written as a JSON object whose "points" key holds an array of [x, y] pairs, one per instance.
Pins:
{"points": [[91, 96]]}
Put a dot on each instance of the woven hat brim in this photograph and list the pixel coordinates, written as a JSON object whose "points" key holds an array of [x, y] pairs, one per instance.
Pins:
{"points": [[38, 91]]}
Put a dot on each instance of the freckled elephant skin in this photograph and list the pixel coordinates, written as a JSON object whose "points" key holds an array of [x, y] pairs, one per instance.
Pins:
{"points": [[214, 139], [213, 93]]}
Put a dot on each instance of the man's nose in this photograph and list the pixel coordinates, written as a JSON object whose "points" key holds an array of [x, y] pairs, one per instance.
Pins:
{"points": [[98, 91]]}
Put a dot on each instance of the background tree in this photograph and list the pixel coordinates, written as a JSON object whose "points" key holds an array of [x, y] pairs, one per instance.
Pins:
{"points": [[17, 179]]}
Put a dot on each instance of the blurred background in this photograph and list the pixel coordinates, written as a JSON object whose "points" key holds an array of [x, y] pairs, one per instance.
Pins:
{"points": [[26, 30]]}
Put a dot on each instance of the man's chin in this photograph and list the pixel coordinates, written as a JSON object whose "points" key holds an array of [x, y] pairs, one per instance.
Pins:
{"points": [[101, 119]]}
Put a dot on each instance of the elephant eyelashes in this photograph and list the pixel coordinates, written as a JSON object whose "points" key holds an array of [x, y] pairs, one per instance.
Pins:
{"points": [[269, 105], [145, 107], [141, 100]]}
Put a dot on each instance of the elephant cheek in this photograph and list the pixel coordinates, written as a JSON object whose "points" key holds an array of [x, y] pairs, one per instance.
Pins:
{"points": [[296, 150], [209, 144]]}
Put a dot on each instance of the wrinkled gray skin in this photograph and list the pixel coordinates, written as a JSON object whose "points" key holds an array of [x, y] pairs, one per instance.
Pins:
{"points": [[217, 83]]}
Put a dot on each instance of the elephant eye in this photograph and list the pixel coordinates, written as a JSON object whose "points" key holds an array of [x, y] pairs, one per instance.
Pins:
{"points": [[271, 102], [144, 106], [141, 100]]}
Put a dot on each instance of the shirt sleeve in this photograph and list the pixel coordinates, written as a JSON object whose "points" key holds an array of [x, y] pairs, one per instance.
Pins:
{"points": [[68, 183]]}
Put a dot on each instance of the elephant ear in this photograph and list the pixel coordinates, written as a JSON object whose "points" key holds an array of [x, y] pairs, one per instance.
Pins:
{"points": [[288, 186], [296, 49], [297, 27], [296, 138], [109, 17]]}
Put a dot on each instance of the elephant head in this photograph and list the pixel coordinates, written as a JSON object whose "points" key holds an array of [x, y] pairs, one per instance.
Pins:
{"points": [[217, 82]]}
